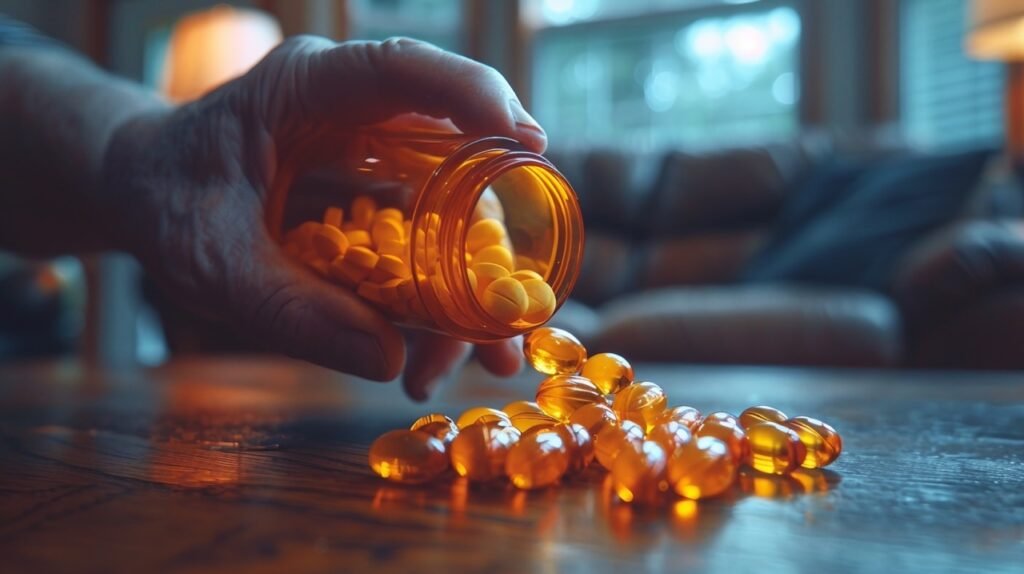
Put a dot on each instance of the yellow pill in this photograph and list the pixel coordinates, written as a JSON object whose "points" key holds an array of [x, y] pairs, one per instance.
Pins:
{"points": [[333, 216], [505, 299], [480, 450], [610, 372], [487, 273], [822, 443], [541, 301], [358, 238], [578, 442], [484, 233], [390, 213], [471, 279], [560, 395], [685, 415], [702, 468], [610, 441], [371, 292], [526, 263], [408, 456], [594, 417], [363, 209], [480, 414], [329, 242], [347, 273], [390, 267], [303, 235], [386, 230], [761, 414], [361, 257], [495, 254], [392, 247], [639, 473], [671, 435], [526, 421], [524, 274], [516, 407], [537, 460], [554, 351], [774, 449], [642, 403], [442, 431], [430, 418]]}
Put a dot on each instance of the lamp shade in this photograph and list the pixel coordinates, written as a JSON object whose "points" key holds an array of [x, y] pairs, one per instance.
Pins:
{"points": [[996, 30], [211, 47]]}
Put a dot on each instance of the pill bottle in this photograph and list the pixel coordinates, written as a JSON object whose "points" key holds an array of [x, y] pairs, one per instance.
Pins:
{"points": [[441, 182]]}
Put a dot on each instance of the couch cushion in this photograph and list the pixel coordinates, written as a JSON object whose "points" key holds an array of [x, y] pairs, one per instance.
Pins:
{"points": [[753, 324], [699, 259]]}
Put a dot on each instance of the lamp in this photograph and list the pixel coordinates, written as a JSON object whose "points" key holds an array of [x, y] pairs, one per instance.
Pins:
{"points": [[210, 47], [997, 33]]}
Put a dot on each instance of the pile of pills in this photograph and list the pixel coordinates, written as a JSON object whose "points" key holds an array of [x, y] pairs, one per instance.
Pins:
{"points": [[592, 408], [370, 254]]}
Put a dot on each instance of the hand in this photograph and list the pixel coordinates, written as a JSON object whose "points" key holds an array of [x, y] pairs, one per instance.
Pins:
{"points": [[186, 190]]}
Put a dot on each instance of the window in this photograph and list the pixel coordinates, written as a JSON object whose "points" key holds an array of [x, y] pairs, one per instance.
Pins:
{"points": [[695, 72], [436, 21], [947, 98]]}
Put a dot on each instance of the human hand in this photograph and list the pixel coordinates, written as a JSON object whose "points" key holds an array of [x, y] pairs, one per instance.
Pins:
{"points": [[186, 190]]}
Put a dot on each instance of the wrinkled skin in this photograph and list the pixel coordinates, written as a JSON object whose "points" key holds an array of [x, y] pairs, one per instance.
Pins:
{"points": [[185, 190]]}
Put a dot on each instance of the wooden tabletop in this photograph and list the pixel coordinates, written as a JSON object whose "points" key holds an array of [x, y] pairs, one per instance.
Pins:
{"points": [[260, 465]]}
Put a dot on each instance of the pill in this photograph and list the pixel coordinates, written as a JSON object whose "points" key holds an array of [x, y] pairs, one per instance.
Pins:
{"points": [[504, 299], [594, 417], [358, 238], [389, 267], [642, 403], [554, 351], [333, 216], [321, 267], [540, 301], [612, 439], [363, 257], [430, 418], [774, 449], [442, 431], [471, 280], [484, 233], [822, 443], [639, 474], [389, 291], [761, 414], [385, 229], [686, 415], [329, 242], [537, 460], [525, 263], [516, 407], [729, 433], [526, 421], [363, 209], [346, 272], [671, 435], [579, 444], [303, 235], [479, 451], [524, 274], [610, 372], [479, 414], [408, 456], [371, 292], [496, 254], [703, 468], [560, 395], [722, 416], [390, 213], [487, 273], [392, 247]]}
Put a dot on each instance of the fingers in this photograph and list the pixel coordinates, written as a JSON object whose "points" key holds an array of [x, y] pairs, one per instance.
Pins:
{"points": [[504, 358], [432, 357], [358, 83], [294, 312]]}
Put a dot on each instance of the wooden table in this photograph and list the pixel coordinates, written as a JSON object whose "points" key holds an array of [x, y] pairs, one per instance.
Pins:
{"points": [[260, 465]]}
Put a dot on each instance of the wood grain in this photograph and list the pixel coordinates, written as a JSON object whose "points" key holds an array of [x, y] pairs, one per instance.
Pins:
{"points": [[259, 466]]}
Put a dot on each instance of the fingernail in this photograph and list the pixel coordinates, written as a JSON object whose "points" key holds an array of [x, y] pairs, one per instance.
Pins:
{"points": [[524, 120]]}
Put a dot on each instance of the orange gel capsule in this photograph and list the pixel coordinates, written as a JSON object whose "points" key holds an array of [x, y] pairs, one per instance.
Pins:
{"points": [[670, 435], [407, 456], [554, 351], [527, 421], [761, 414], [608, 371], [729, 433], [441, 430], [514, 408], [701, 469], [579, 444], [822, 442], [480, 450], [688, 416], [722, 416], [560, 395], [642, 403], [431, 418], [537, 460], [480, 414], [639, 473], [594, 417], [774, 449], [612, 439]]}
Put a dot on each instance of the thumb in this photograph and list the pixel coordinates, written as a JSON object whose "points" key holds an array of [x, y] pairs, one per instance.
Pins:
{"points": [[288, 308]]}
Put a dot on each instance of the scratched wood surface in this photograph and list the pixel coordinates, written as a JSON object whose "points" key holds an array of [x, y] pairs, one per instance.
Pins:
{"points": [[244, 465]]}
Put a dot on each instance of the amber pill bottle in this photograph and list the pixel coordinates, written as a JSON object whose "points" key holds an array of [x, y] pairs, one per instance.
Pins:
{"points": [[443, 181]]}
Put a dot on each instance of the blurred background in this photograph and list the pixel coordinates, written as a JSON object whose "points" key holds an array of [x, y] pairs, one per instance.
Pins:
{"points": [[811, 182]]}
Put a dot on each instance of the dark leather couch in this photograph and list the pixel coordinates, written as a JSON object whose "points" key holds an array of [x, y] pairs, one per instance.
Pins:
{"points": [[670, 237]]}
